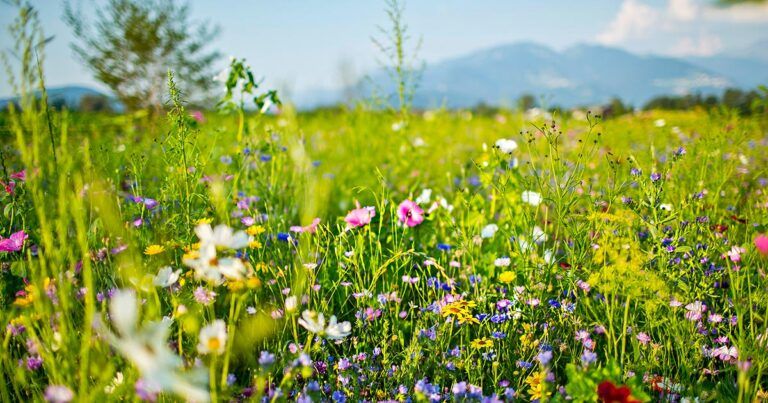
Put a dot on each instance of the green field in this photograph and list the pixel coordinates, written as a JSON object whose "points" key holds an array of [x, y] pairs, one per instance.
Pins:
{"points": [[633, 258]]}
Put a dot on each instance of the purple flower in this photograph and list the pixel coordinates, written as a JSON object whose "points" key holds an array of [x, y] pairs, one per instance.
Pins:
{"points": [[655, 176]]}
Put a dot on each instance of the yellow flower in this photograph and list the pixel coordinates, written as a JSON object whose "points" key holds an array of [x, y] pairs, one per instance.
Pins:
{"points": [[254, 230], [538, 385], [467, 318], [507, 277], [254, 244], [481, 343], [27, 297], [204, 221], [154, 250], [253, 282]]}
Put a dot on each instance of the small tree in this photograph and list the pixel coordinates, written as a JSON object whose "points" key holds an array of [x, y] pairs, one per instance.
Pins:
{"points": [[132, 44]]}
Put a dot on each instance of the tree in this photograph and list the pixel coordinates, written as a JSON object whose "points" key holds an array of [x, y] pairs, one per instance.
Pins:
{"points": [[525, 102], [131, 45]]}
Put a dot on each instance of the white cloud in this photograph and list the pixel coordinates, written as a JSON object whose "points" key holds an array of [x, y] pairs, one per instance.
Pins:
{"points": [[704, 45], [682, 10], [633, 20]]}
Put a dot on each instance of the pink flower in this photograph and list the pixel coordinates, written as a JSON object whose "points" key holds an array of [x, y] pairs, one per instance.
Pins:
{"points": [[310, 229], [726, 353], [14, 242], [643, 338], [360, 217], [695, 309], [198, 116], [21, 175], [735, 253], [761, 243], [410, 213]]}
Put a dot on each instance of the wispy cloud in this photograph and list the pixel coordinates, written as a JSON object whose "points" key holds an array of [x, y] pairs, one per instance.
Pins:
{"points": [[673, 22], [634, 19]]}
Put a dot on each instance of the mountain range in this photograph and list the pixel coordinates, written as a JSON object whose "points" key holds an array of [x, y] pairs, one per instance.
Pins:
{"points": [[581, 75]]}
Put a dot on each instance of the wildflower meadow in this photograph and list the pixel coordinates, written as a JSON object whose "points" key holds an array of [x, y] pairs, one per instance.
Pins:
{"points": [[364, 254]]}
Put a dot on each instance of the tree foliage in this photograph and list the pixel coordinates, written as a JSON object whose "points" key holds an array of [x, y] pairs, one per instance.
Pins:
{"points": [[130, 45]]}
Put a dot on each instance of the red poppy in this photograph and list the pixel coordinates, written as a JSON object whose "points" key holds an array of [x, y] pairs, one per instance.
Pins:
{"points": [[607, 392]]}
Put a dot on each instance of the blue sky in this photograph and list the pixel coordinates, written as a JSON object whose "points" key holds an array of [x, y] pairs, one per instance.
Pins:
{"points": [[300, 45]]}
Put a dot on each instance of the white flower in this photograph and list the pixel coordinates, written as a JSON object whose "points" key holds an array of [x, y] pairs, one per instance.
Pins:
{"points": [[222, 236], [506, 146], [489, 231], [502, 262], [312, 321], [424, 197], [116, 382], [315, 323], [337, 331], [147, 348], [210, 267], [532, 198], [290, 303], [538, 235], [213, 338], [166, 277], [665, 207], [660, 122]]}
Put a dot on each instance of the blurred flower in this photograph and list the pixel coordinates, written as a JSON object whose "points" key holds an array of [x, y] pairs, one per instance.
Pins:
{"points": [[507, 277], [506, 146], [214, 269], [154, 250], [410, 213], [735, 253], [532, 198], [166, 277], [608, 392], [489, 231], [213, 338], [761, 243], [309, 229], [360, 217], [425, 197], [147, 348], [14, 242], [695, 310], [58, 394], [222, 236]]}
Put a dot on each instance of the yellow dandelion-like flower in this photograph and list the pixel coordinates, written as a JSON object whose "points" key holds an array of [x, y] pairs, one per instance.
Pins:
{"points": [[254, 230], [468, 318], [154, 250], [254, 244], [537, 385], [253, 282], [204, 220], [507, 277], [481, 343]]}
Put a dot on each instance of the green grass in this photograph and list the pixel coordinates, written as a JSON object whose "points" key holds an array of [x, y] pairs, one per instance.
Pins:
{"points": [[295, 167]]}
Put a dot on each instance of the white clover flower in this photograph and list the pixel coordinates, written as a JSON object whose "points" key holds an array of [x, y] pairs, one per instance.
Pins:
{"points": [[532, 198], [489, 231], [506, 146], [166, 277], [213, 338]]}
